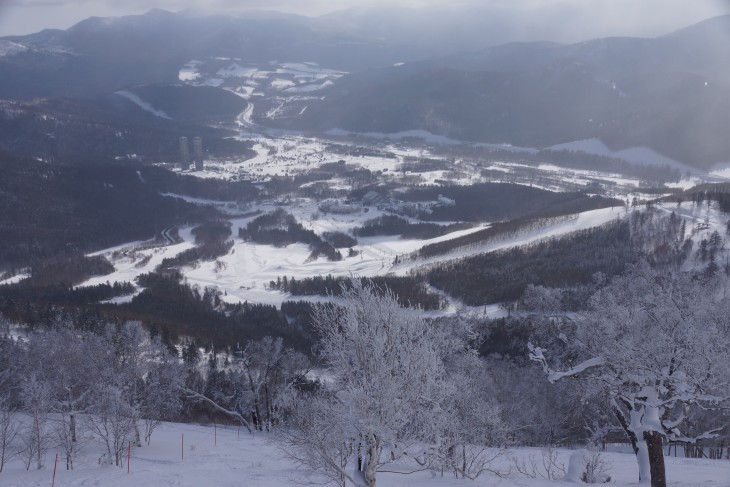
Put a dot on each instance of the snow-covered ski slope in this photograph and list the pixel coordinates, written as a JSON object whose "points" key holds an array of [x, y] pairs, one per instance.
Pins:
{"points": [[245, 272], [196, 456]]}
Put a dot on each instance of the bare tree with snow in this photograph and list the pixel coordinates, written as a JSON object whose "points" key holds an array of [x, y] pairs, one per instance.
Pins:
{"points": [[68, 438], [160, 393], [132, 354], [60, 358], [260, 377], [260, 361], [9, 429], [473, 434], [385, 391], [36, 397], [657, 344], [316, 439], [112, 421]]}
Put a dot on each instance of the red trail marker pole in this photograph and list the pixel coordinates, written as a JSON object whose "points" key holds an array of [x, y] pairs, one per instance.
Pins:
{"points": [[239, 431], [129, 454], [55, 463], [215, 434], [182, 446]]}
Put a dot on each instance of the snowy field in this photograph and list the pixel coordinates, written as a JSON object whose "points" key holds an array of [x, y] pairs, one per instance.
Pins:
{"points": [[245, 272], [190, 455]]}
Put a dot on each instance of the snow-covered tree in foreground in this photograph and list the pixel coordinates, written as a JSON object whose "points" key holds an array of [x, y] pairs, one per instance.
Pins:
{"points": [[9, 428], [657, 344], [259, 379], [384, 392], [267, 371]]}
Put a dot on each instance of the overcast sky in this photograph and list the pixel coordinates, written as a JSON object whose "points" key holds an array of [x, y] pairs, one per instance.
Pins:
{"points": [[611, 17]]}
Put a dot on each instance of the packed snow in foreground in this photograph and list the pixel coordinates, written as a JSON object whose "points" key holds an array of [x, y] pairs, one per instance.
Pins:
{"points": [[190, 455]]}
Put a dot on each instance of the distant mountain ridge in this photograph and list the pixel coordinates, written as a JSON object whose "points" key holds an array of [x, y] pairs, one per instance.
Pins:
{"points": [[100, 55], [103, 54], [671, 94]]}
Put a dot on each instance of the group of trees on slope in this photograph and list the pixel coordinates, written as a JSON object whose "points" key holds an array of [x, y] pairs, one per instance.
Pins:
{"points": [[651, 346], [281, 229], [395, 225], [491, 202], [409, 291], [62, 386]]}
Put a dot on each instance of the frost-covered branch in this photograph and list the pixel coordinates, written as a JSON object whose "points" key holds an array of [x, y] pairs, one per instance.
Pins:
{"points": [[537, 355], [707, 435], [196, 396]]}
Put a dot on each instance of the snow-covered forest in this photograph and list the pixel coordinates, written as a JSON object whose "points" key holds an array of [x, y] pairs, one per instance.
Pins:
{"points": [[644, 363]]}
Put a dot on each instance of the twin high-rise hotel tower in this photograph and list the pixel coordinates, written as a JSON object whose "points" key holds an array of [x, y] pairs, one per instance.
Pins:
{"points": [[197, 153]]}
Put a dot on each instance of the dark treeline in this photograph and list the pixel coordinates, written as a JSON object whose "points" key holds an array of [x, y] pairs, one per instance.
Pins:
{"points": [[42, 315], [172, 305], [410, 291], [192, 103], [506, 337], [707, 192], [395, 225], [210, 238], [360, 151], [71, 270], [53, 281], [167, 305], [716, 192], [211, 231], [339, 240], [558, 262], [280, 228], [208, 251], [500, 201], [51, 211], [300, 314], [346, 170], [661, 237], [66, 295]]}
